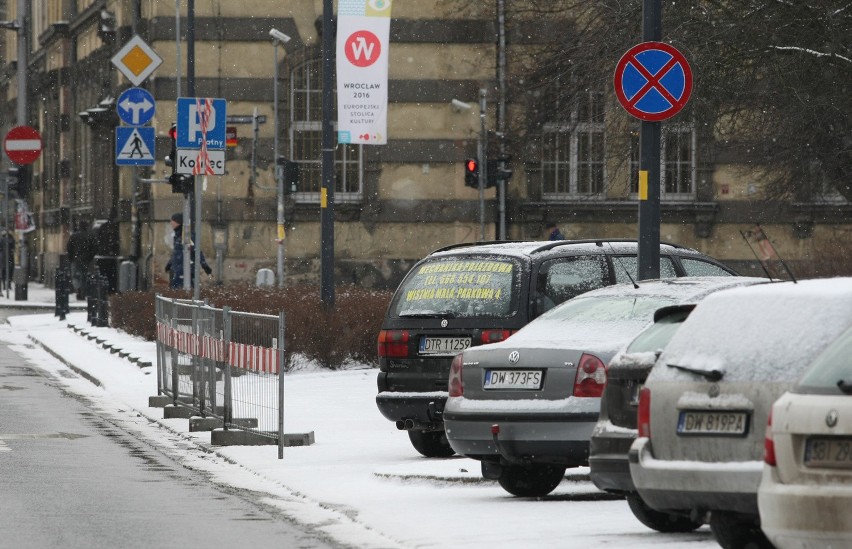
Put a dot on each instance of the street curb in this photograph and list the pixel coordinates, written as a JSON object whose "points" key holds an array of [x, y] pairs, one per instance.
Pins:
{"points": [[61, 359]]}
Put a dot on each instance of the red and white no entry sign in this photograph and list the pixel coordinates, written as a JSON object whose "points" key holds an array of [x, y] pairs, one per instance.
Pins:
{"points": [[22, 145]]}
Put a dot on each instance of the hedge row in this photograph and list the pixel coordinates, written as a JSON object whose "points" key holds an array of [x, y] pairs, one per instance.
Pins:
{"points": [[332, 338]]}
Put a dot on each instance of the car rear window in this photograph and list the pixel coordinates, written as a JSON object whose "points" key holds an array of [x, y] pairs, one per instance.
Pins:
{"points": [[696, 267], [658, 335], [460, 287], [623, 264], [831, 367], [759, 333]]}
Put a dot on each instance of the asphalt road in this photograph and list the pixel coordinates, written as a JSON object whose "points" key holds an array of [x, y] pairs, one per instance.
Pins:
{"points": [[71, 476]]}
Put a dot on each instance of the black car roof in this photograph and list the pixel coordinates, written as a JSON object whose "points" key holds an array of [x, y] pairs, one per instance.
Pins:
{"points": [[530, 248]]}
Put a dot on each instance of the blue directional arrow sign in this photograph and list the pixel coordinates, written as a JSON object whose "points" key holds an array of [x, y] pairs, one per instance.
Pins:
{"points": [[200, 115], [134, 146], [136, 106]]}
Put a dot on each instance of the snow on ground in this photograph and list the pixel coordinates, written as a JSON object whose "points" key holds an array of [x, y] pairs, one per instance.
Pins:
{"points": [[361, 483]]}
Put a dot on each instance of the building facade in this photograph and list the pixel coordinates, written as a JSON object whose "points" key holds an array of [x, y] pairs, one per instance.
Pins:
{"points": [[393, 203]]}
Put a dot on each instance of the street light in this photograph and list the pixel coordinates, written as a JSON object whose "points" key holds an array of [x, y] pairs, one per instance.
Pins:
{"points": [[278, 38]]}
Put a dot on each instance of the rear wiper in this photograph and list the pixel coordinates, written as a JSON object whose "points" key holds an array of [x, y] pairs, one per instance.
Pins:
{"points": [[845, 386], [710, 375], [429, 314]]}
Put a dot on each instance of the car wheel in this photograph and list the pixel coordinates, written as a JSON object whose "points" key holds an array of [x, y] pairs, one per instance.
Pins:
{"points": [[531, 480], [431, 443], [734, 531], [659, 520]]}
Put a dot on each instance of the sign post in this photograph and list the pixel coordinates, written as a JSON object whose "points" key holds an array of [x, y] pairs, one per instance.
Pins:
{"points": [[653, 82]]}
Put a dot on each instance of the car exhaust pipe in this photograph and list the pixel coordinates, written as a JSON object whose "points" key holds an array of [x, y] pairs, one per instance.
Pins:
{"points": [[412, 424]]}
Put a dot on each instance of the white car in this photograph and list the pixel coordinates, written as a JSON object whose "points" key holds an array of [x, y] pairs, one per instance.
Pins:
{"points": [[805, 495], [703, 411]]}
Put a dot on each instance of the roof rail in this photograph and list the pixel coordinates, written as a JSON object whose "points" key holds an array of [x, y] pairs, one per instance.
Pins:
{"points": [[477, 243], [549, 245], [596, 241]]}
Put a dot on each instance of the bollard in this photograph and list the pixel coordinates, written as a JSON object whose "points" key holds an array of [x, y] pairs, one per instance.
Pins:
{"points": [[91, 299], [102, 308], [63, 288]]}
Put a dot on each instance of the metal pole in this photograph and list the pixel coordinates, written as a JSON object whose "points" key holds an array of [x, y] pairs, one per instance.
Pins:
{"points": [[327, 190], [501, 112], [279, 178], [24, 172], [280, 352], [195, 195], [483, 160], [177, 48], [649, 166]]}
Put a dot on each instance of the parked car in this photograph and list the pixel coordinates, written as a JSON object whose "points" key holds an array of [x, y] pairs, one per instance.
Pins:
{"points": [[805, 495], [525, 407], [471, 294], [703, 410], [615, 430]]}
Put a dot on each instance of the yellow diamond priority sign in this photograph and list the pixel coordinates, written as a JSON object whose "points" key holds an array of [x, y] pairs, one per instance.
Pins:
{"points": [[136, 60]]}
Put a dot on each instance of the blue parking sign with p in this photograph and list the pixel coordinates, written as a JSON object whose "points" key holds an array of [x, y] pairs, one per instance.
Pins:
{"points": [[193, 114]]}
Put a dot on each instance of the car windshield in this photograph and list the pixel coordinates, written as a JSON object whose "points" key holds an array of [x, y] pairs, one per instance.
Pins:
{"points": [[830, 369], [460, 287], [657, 336]]}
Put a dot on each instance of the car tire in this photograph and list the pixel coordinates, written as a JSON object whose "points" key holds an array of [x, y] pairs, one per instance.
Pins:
{"points": [[733, 531], [431, 443], [659, 520], [531, 480]]}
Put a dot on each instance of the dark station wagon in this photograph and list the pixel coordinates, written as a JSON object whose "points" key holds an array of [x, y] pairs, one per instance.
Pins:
{"points": [[472, 294]]}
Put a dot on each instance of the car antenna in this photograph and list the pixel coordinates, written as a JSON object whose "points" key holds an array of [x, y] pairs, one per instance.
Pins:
{"points": [[618, 259], [761, 236]]}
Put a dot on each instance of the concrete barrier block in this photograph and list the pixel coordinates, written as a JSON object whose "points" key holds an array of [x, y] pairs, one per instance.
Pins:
{"points": [[299, 439], [197, 424], [159, 401], [174, 412], [234, 437]]}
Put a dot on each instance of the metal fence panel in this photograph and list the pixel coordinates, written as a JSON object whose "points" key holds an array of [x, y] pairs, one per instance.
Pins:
{"points": [[223, 364]]}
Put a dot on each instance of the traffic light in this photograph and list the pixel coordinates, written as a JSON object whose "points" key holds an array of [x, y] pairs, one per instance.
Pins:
{"points": [[17, 180], [289, 173], [471, 173], [180, 183]]}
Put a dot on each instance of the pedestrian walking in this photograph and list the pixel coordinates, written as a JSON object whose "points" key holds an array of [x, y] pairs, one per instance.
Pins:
{"points": [[553, 231], [175, 265]]}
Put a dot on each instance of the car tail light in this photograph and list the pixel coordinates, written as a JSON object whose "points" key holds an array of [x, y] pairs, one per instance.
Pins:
{"points": [[393, 343], [456, 385], [643, 415], [769, 444], [590, 378], [493, 336]]}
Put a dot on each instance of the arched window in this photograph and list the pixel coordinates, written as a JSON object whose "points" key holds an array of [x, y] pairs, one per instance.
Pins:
{"points": [[306, 140]]}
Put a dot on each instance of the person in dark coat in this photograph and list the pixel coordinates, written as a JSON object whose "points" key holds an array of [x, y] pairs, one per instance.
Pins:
{"points": [[175, 265], [553, 231], [7, 259], [80, 253]]}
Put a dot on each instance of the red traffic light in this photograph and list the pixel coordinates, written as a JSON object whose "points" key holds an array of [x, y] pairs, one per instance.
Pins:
{"points": [[472, 165], [173, 132]]}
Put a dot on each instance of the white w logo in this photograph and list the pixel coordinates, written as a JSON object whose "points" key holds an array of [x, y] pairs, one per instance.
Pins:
{"points": [[361, 47]]}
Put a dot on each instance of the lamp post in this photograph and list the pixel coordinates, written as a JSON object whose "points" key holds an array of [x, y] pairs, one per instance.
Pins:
{"points": [[278, 39]]}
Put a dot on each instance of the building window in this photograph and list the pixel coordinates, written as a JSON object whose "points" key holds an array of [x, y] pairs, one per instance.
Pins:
{"points": [[678, 170], [573, 152], [306, 141]]}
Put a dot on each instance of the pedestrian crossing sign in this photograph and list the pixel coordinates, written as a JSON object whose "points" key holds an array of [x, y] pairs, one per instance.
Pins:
{"points": [[134, 146]]}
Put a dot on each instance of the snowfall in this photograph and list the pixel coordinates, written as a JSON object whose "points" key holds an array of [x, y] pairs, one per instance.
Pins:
{"points": [[360, 484]]}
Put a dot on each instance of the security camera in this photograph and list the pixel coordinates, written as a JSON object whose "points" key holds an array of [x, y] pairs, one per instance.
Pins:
{"points": [[460, 105], [279, 36]]}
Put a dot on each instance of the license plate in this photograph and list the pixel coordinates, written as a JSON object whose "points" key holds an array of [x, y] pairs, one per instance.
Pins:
{"points": [[512, 379], [830, 453], [443, 345], [712, 423]]}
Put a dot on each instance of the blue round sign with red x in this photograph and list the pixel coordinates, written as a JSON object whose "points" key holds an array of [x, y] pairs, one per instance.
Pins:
{"points": [[653, 81]]}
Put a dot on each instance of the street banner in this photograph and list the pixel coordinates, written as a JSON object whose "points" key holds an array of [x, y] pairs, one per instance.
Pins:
{"points": [[363, 37]]}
